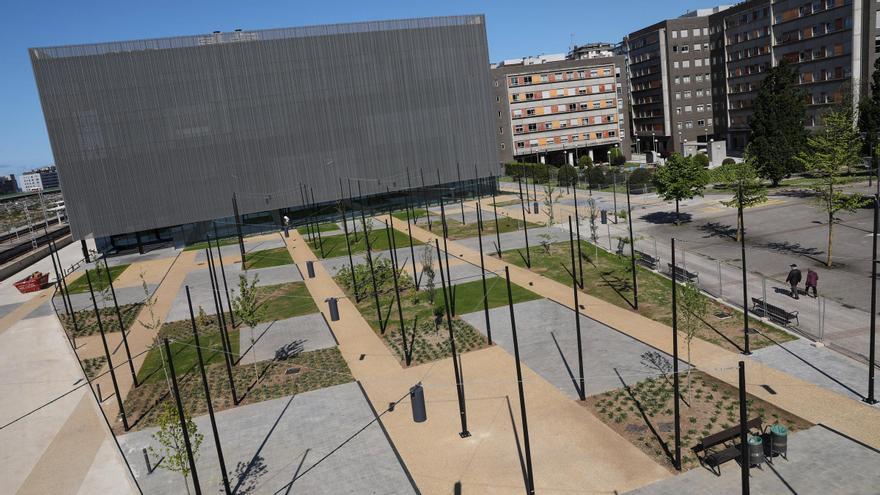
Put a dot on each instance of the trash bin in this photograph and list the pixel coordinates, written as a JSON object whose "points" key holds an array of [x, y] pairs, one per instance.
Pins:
{"points": [[310, 268], [535, 208], [756, 450], [334, 308], [778, 440]]}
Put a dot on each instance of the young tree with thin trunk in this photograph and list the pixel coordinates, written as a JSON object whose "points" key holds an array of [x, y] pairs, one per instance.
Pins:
{"points": [[748, 190], [172, 449], [694, 308], [679, 179], [551, 196], [777, 132], [247, 307], [829, 153]]}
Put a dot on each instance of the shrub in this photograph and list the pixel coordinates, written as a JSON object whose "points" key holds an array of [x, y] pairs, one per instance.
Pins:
{"points": [[596, 176], [728, 161], [640, 176], [585, 161], [701, 159], [615, 157], [517, 170], [567, 175]]}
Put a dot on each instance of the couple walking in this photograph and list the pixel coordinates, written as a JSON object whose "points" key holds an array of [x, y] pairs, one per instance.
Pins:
{"points": [[794, 279]]}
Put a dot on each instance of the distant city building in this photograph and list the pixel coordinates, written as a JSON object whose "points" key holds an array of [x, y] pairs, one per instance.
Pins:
{"points": [[669, 67], [831, 44], [591, 50], [8, 184], [40, 179], [152, 138], [556, 110]]}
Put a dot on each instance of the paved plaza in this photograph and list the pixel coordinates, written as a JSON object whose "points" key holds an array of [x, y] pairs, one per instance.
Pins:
{"points": [[233, 251], [516, 239], [820, 462], [284, 338], [548, 345], [273, 443]]}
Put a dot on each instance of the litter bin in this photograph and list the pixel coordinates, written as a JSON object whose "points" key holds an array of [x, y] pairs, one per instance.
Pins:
{"points": [[756, 450], [417, 400], [334, 308], [535, 208], [310, 268], [778, 440]]}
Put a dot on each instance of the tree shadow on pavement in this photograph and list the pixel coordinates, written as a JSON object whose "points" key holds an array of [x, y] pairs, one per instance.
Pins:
{"points": [[716, 229], [666, 217]]}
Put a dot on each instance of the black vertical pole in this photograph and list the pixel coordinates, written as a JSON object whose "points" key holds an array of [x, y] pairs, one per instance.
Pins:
{"points": [[373, 274], [443, 218], [497, 229], [614, 193], [85, 250], [392, 241], [632, 251], [483, 272], [121, 325], [449, 277], [743, 429], [221, 327], [577, 314], [354, 284], [459, 386], [223, 273], [58, 277], [238, 226], [317, 224], [577, 224], [215, 286], [66, 293], [406, 353], [207, 390], [742, 245], [182, 415], [525, 225], [354, 224], [412, 250], [519, 382], [872, 341], [427, 211], [107, 354], [305, 203], [460, 198], [675, 384]]}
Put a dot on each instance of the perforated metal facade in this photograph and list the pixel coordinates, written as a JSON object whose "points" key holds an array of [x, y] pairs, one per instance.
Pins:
{"points": [[154, 133]]}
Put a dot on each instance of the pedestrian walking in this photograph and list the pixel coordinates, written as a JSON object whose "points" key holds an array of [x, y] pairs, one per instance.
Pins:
{"points": [[793, 279], [812, 282], [286, 220]]}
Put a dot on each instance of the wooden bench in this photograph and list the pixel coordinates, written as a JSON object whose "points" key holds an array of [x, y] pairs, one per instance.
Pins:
{"points": [[715, 459], [647, 260], [683, 275], [775, 313]]}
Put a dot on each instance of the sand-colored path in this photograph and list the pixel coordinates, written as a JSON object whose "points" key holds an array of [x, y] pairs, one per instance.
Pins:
{"points": [[572, 451], [802, 398]]}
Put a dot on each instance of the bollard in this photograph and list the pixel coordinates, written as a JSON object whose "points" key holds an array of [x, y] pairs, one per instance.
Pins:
{"points": [[310, 268], [535, 207], [100, 397], [334, 308], [417, 400], [147, 461]]}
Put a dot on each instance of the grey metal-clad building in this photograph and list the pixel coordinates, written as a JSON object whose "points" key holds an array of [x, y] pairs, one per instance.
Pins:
{"points": [[157, 133]]}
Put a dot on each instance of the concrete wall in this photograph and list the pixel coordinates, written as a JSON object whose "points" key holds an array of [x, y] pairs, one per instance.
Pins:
{"points": [[155, 133]]}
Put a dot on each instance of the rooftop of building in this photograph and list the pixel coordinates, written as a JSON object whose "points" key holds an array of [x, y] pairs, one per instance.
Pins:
{"points": [[241, 36]]}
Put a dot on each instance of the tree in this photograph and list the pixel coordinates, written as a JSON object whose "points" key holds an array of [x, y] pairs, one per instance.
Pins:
{"points": [[585, 162], [640, 176], [830, 151], [748, 189], [694, 308], [728, 161], [616, 158], [869, 110], [551, 196], [247, 307], [680, 178], [596, 176], [777, 132], [567, 175], [427, 260], [172, 449]]}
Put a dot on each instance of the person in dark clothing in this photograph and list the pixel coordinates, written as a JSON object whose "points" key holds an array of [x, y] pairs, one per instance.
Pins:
{"points": [[793, 279], [811, 282]]}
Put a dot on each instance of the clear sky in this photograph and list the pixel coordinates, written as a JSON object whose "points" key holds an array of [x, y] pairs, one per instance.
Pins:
{"points": [[515, 28]]}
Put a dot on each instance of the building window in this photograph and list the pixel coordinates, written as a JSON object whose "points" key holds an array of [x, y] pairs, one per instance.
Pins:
{"points": [[548, 126], [497, 99], [684, 48], [687, 94], [530, 96], [527, 80], [545, 78], [518, 129], [530, 112], [683, 33], [689, 124], [701, 123], [677, 80], [685, 64], [700, 108], [533, 127], [675, 35], [677, 110], [520, 144], [517, 113], [677, 96], [515, 96], [696, 31], [686, 79], [675, 64]]}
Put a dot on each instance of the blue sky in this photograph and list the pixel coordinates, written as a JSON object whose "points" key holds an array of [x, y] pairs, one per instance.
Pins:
{"points": [[514, 27]]}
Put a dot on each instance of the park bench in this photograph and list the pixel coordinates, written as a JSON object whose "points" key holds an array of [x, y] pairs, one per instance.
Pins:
{"points": [[647, 260], [775, 313], [713, 459], [683, 275]]}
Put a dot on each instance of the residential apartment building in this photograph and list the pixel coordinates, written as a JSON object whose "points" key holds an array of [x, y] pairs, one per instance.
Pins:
{"points": [[591, 50], [40, 179], [556, 111], [8, 184], [830, 43], [669, 68]]}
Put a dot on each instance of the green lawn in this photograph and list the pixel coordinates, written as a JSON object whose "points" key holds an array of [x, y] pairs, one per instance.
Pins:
{"points": [[414, 213], [268, 257], [99, 279], [609, 278], [184, 354], [456, 230], [469, 296], [335, 245], [324, 227], [228, 241], [283, 301]]}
